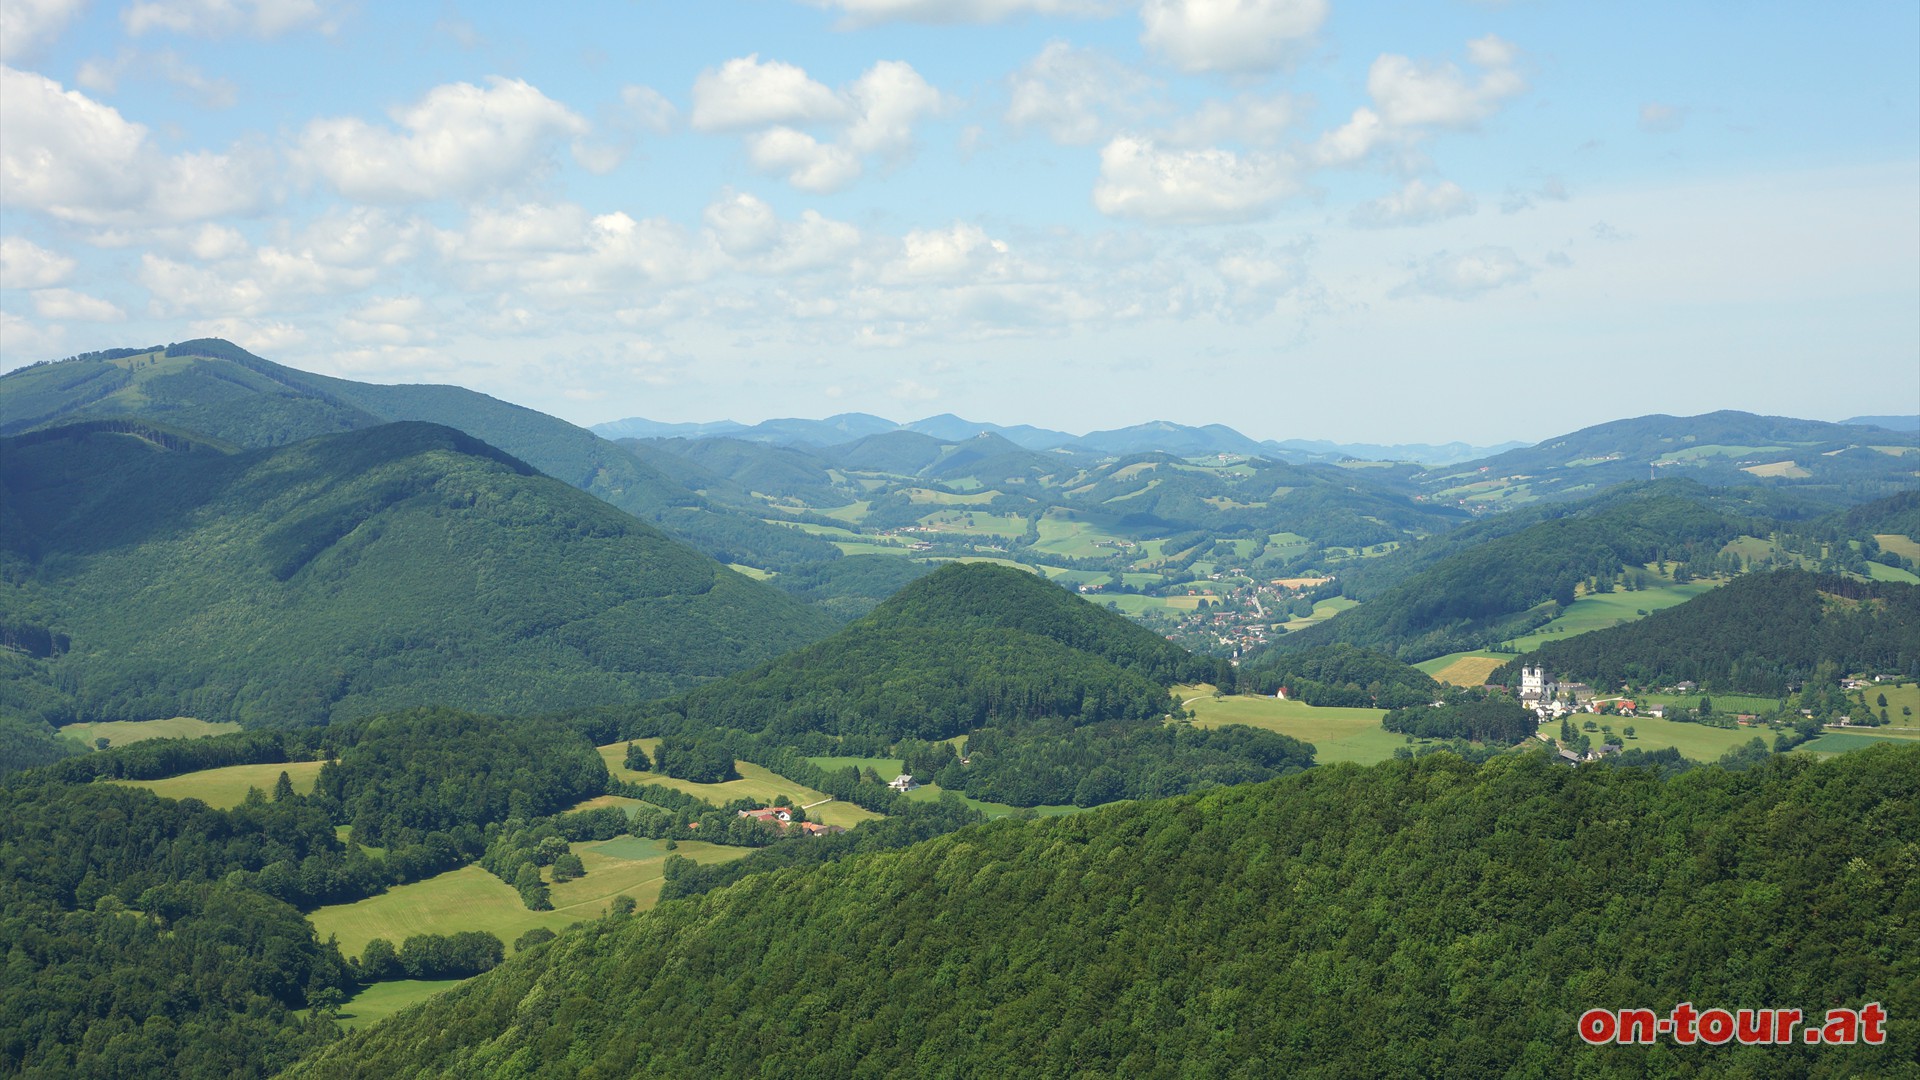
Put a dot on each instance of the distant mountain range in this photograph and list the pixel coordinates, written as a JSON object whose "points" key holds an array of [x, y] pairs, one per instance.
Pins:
{"points": [[1160, 436]]}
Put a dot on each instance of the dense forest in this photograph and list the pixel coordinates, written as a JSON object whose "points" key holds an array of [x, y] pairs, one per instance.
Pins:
{"points": [[1764, 633], [405, 564], [1400, 920], [1338, 676]]}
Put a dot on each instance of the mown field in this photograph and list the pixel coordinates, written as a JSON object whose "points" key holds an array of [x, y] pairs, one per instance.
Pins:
{"points": [[757, 783], [123, 732], [1601, 610], [472, 899], [1336, 734], [227, 787], [1695, 741], [1839, 742], [381, 1000], [1463, 668]]}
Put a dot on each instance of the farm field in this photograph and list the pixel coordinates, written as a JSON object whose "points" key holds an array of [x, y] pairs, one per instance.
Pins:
{"points": [[1695, 741], [757, 783], [227, 787], [123, 732], [1322, 611], [1883, 572], [1839, 742], [472, 899], [1336, 734], [1898, 544], [1722, 703], [888, 768], [1898, 695], [1601, 610], [1463, 668], [381, 1000]]}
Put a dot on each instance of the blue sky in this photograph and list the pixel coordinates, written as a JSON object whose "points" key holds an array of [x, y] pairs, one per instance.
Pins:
{"points": [[1302, 218]]}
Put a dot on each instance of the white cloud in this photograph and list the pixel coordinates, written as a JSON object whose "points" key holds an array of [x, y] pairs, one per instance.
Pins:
{"points": [[1415, 204], [1138, 180], [25, 25], [74, 158], [1352, 140], [1067, 92], [562, 253], [457, 141], [1466, 275], [887, 101], [26, 265], [645, 108], [103, 76], [68, 305], [912, 390], [1249, 118], [744, 94], [392, 320], [1255, 281], [220, 18], [23, 340], [1409, 93], [868, 12], [742, 224], [808, 163], [262, 338], [1229, 35], [1551, 189], [1659, 118], [962, 250]]}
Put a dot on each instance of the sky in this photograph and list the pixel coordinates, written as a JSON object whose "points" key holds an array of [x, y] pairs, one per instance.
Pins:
{"points": [[1323, 219]]}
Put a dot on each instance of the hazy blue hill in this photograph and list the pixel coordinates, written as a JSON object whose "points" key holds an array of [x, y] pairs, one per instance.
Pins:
{"points": [[1180, 439], [396, 565], [902, 453], [218, 388], [950, 428], [1910, 423], [736, 467], [1834, 463], [1414, 919], [639, 427]]}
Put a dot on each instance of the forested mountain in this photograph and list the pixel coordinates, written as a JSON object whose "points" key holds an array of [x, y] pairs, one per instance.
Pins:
{"points": [[1411, 919], [1493, 586], [220, 390], [1060, 701], [150, 575], [1837, 464], [1763, 633]]}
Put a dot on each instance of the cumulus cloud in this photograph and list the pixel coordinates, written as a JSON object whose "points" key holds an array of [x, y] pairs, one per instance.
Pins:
{"points": [[260, 337], [960, 251], [1415, 204], [74, 158], [70, 306], [26, 25], [869, 12], [1410, 93], [561, 252], [742, 224], [1139, 180], [743, 94], [457, 141], [1466, 275], [1069, 92], [26, 265], [103, 76], [874, 116], [222, 18], [1351, 141], [1229, 35]]}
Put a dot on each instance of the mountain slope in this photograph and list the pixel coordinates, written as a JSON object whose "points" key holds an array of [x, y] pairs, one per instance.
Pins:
{"points": [[395, 565], [1413, 919], [221, 390]]}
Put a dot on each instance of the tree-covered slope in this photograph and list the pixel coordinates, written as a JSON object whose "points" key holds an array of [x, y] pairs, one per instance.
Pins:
{"points": [[1763, 633], [218, 389], [402, 564], [1486, 592], [1413, 919]]}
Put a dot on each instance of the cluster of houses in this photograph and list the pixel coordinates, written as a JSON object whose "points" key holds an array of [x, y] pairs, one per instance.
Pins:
{"points": [[781, 817]]}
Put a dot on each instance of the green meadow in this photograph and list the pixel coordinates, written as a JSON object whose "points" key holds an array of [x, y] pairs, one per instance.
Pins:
{"points": [[1598, 611], [1696, 741], [123, 732], [384, 999], [757, 783], [227, 787], [1336, 734]]}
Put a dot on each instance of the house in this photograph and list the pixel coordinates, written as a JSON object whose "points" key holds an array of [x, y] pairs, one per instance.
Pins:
{"points": [[1658, 712], [811, 828], [903, 782], [775, 815]]}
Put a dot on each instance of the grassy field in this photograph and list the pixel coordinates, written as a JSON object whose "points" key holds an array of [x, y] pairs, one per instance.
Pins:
{"points": [[1336, 734], [1695, 741], [472, 899], [1601, 610], [759, 784], [1722, 703], [228, 787], [932, 792], [381, 1000], [1839, 742], [1898, 544], [888, 768], [122, 732], [1902, 694], [1463, 668], [1322, 611]]}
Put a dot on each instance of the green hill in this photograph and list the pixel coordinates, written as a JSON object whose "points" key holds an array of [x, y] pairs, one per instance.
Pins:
{"points": [[220, 390], [1763, 633], [1412, 919], [1486, 592], [1059, 700], [150, 575]]}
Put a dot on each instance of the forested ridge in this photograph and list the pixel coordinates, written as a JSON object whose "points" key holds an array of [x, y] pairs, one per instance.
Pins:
{"points": [[406, 564], [1763, 633], [1408, 919]]}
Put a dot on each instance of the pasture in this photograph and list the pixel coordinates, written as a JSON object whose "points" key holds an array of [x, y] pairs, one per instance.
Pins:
{"points": [[472, 899], [1463, 668], [123, 732], [1322, 611], [1336, 734], [1900, 545], [1598, 611], [1839, 742], [1695, 741], [381, 1000], [1898, 695], [227, 787], [757, 783]]}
